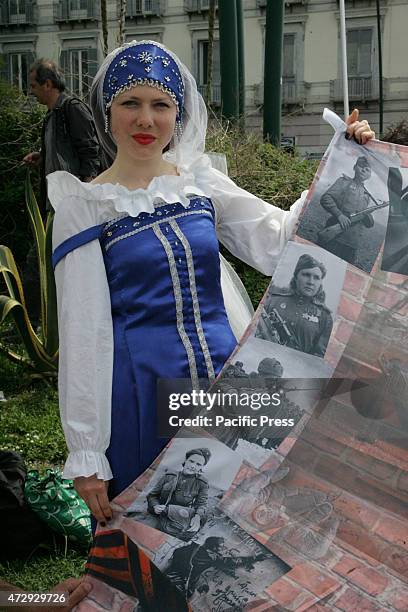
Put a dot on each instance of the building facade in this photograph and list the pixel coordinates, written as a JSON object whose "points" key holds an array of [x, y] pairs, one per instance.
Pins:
{"points": [[69, 32]]}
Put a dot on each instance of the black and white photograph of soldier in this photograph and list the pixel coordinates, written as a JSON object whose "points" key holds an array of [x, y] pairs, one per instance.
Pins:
{"points": [[294, 364], [179, 499], [255, 440], [261, 367], [302, 300], [395, 256], [348, 211], [222, 569], [187, 486]]}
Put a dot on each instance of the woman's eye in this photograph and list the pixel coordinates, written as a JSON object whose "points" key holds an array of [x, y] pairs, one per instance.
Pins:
{"points": [[162, 104], [129, 103]]}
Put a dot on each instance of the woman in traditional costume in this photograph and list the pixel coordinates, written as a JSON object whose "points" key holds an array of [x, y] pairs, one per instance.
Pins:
{"points": [[142, 294]]}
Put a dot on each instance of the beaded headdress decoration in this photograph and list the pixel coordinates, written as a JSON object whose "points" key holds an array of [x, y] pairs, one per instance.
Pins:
{"points": [[143, 63]]}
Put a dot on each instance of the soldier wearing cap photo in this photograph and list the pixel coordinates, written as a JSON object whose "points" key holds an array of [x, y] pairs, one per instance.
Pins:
{"points": [[346, 197], [179, 499], [297, 316]]}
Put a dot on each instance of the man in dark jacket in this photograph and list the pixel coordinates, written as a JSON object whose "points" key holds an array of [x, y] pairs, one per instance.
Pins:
{"points": [[68, 137], [68, 142]]}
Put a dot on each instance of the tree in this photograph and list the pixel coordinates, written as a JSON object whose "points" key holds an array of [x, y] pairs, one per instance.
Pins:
{"points": [[104, 19], [20, 130], [122, 21]]}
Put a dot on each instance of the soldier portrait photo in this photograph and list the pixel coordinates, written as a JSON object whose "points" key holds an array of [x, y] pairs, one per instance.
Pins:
{"points": [[179, 499], [222, 569], [187, 487], [348, 212], [263, 367], [296, 312], [254, 441]]}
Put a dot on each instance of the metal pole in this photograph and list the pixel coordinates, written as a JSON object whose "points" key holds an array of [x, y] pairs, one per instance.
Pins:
{"points": [[343, 43], [241, 61], [380, 70], [227, 16], [273, 71], [210, 54]]}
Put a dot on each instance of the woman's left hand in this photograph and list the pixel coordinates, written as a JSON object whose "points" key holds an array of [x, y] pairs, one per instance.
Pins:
{"points": [[359, 130]]}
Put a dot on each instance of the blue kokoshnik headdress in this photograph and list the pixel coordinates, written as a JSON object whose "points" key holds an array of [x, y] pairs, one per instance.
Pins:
{"points": [[143, 63]]}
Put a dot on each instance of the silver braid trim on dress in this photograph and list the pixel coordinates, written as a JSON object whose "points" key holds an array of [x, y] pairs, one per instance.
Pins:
{"points": [[179, 306], [194, 296], [115, 220], [151, 225]]}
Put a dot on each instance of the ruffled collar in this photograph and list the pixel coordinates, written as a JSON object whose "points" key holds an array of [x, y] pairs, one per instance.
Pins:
{"points": [[191, 180]]}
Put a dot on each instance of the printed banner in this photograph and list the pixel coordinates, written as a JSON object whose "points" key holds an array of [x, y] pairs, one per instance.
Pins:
{"points": [[291, 487]]}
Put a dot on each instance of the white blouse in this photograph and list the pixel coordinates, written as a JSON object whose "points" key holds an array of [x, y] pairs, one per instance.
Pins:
{"points": [[250, 228]]}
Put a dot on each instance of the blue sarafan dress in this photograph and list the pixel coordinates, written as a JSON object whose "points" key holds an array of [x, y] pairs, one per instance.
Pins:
{"points": [[169, 320], [140, 298]]}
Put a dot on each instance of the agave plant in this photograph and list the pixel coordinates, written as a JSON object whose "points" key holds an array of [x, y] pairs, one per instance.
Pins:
{"points": [[41, 349]]}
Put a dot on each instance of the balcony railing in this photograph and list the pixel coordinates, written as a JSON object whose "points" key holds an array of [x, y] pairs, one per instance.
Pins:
{"points": [[290, 90], [13, 12], [215, 93], [262, 3], [360, 89], [142, 8], [77, 10], [293, 91], [196, 6]]}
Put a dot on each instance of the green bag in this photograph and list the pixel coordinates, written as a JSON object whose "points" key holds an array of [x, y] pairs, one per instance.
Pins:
{"points": [[57, 503]]}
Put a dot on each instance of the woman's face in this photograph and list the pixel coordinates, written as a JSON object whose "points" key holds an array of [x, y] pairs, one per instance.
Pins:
{"points": [[142, 121], [309, 281]]}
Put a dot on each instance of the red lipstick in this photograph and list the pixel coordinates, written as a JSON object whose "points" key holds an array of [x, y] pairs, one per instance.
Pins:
{"points": [[143, 139]]}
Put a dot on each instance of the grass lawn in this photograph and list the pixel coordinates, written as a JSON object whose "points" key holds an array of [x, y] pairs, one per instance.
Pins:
{"points": [[30, 425]]}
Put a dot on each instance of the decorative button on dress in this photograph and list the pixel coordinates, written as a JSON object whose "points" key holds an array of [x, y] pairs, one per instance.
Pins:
{"points": [[140, 298]]}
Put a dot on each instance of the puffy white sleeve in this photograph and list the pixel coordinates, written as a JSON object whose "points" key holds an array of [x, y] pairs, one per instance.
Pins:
{"points": [[86, 345], [250, 228]]}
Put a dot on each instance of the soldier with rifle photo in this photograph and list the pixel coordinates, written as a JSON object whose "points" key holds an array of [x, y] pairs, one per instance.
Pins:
{"points": [[350, 206]]}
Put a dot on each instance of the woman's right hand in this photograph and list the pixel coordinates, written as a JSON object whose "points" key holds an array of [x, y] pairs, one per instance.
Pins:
{"points": [[93, 491]]}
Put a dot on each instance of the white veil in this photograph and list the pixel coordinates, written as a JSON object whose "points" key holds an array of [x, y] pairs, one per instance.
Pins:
{"points": [[185, 149]]}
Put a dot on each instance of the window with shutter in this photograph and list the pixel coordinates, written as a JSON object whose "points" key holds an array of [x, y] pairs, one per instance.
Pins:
{"points": [[18, 66], [359, 52], [4, 67], [288, 70], [203, 69], [359, 63], [79, 67]]}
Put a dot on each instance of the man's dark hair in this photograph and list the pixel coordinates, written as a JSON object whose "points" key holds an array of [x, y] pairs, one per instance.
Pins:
{"points": [[47, 69], [213, 542]]}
